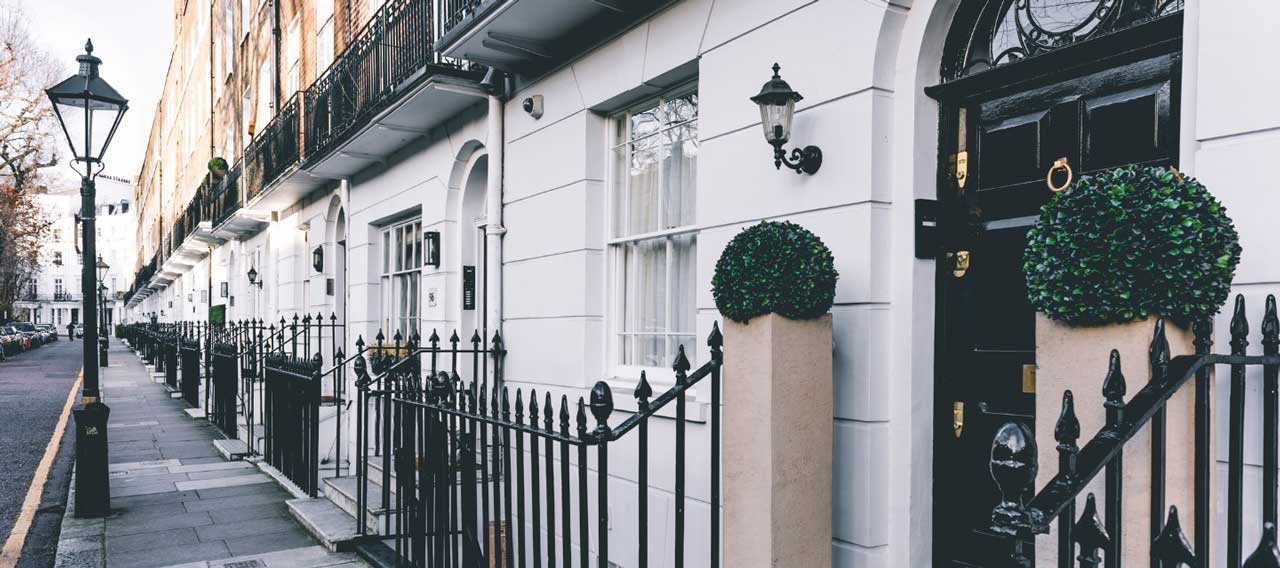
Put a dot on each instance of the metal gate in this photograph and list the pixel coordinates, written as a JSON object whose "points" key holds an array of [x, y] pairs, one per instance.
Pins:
{"points": [[189, 351], [225, 383], [291, 419]]}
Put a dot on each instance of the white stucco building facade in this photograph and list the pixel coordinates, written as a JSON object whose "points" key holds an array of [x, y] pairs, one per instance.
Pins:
{"points": [[588, 235]]}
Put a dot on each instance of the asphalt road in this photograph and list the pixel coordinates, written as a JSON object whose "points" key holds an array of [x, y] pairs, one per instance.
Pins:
{"points": [[33, 390]]}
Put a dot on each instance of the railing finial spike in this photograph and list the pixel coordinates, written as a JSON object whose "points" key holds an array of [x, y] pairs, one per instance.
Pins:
{"points": [[1271, 323], [643, 390], [601, 406], [1266, 555], [1171, 544], [1090, 533], [1239, 325], [1113, 387], [1067, 430], [1158, 353]]}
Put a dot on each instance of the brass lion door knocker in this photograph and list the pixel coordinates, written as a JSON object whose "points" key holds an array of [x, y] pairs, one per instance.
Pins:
{"points": [[1059, 165]]}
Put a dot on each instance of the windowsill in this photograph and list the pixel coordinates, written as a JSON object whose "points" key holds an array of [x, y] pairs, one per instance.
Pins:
{"points": [[624, 400]]}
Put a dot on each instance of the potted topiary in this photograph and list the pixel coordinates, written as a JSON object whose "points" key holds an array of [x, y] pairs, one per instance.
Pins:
{"points": [[1115, 262], [218, 167], [774, 284]]}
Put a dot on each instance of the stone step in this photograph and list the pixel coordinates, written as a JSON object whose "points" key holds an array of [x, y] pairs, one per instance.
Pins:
{"points": [[305, 557], [342, 492], [231, 449], [334, 528]]}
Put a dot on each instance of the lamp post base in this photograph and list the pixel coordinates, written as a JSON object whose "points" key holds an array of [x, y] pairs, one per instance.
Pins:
{"points": [[93, 484]]}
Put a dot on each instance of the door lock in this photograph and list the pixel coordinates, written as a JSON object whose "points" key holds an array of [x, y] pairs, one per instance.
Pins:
{"points": [[957, 417], [959, 261]]}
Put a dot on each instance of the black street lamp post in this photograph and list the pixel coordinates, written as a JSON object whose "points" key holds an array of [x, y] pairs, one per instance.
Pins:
{"points": [[89, 111], [103, 344]]}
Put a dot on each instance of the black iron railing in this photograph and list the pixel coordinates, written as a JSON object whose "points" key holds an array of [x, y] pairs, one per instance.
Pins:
{"points": [[1022, 514], [189, 353], [226, 383], [373, 71], [225, 197], [291, 417], [275, 149], [455, 12], [480, 473]]}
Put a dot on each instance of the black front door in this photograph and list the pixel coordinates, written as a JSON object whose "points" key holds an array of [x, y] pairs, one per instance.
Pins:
{"points": [[1100, 116]]}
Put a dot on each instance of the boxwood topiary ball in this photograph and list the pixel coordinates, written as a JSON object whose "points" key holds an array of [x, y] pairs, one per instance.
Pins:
{"points": [[1131, 243], [777, 268]]}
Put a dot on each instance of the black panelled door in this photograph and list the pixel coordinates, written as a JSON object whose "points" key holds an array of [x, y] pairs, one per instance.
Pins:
{"points": [[998, 147]]}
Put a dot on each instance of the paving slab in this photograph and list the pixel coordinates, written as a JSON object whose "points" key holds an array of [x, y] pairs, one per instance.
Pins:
{"points": [[175, 501]]}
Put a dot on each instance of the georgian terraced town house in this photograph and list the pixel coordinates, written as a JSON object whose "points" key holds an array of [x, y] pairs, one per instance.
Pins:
{"points": [[579, 197], [53, 295]]}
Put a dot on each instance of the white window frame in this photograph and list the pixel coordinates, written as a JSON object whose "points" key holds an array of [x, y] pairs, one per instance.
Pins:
{"points": [[400, 267], [620, 136]]}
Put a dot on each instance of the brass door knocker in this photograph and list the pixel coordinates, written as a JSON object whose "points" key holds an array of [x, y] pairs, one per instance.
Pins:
{"points": [[1059, 164]]}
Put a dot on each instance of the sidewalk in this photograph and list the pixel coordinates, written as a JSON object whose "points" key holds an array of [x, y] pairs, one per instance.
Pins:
{"points": [[175, 501]]}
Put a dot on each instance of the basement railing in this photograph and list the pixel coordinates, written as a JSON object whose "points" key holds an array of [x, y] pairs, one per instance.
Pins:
{"points": [[1022, 514]]}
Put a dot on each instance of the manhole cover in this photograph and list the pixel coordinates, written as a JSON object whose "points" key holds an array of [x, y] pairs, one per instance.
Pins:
{"points": [[245, 564]]}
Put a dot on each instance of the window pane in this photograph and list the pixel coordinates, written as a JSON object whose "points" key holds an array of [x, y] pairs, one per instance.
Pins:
{"points": [[645, 283], [621, 175], [642, 188], [679, 176], [682, 305], [417, 245], [386, 252]]}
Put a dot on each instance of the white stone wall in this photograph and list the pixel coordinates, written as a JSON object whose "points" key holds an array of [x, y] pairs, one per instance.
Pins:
{"points": [[1231, 132]]}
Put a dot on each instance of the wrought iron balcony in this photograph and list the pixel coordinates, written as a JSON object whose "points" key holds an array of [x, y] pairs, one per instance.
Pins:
{"points": [[531, 36], [275, 151], [387, 88]]}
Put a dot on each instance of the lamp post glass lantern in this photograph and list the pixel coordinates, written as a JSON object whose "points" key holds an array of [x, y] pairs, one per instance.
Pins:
{"points": [[89, 110], [777, 102]]}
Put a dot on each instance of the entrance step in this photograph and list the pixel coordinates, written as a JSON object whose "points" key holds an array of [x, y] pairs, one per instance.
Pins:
{"points": [[195, 413], [342, 492], [333, 527], [231, 449]]}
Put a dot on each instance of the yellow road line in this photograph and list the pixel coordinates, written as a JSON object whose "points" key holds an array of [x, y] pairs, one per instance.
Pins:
{"points": [[13, 545]]}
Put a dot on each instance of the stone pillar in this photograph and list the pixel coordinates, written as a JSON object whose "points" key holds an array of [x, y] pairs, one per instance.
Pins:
{"points": [[778, 414], [1076, 358]]}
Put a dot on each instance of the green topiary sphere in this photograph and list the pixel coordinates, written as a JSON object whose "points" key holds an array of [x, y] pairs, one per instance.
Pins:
{"points": [[1131, 243], [777, 268]]}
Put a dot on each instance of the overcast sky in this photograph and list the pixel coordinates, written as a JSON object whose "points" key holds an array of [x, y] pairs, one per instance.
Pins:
{"points": [[134, 39]]}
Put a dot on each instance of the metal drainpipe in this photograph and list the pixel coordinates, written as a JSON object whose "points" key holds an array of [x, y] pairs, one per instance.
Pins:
{"points": [[493, 216], [275, 56]]}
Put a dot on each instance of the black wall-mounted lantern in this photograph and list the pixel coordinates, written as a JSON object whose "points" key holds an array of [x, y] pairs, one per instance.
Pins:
{"points": [[317, 259], [777, 108], [253, 277], [431, 242]]}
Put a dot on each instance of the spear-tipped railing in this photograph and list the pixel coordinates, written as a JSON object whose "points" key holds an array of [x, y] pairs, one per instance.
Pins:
{"points": [[1022, 514]]}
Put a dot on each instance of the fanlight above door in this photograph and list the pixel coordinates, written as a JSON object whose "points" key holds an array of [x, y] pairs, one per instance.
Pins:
{"points": [[1008, 31]]}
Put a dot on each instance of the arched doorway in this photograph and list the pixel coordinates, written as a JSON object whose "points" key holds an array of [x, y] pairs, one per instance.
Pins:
{"points": [[1028, 87], [471, 243]]}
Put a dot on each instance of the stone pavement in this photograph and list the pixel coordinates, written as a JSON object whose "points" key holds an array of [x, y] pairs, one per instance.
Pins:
{"points": [[175, 501]]}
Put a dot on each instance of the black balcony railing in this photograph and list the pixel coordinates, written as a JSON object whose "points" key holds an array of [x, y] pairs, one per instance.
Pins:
{"points": [[274, 150], [225, 197], [454, 12], [395, 47]]}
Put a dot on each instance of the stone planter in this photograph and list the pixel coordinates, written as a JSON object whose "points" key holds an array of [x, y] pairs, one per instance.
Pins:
{"points": [[1076, 358], [778, 413]]}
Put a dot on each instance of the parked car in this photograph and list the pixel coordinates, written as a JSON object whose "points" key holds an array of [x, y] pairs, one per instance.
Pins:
{"points": [[50, 332], [33, 335], [10, 340], [79, 330]]}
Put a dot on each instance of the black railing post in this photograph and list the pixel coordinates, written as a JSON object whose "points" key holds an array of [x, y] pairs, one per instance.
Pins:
{"points": [[715, 341], [1235, 459], [643, 393], [1113, 390], [1270, 406], [1203, 425], [1066, 432], [601, 408], [1158, 360], [1013, 465]]}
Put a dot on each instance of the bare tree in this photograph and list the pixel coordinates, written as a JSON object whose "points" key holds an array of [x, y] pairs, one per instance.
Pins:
{"points": [[27, 146]]}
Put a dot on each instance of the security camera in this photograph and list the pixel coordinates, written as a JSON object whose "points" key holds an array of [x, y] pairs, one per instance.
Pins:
{"points": [[533, 106]]}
